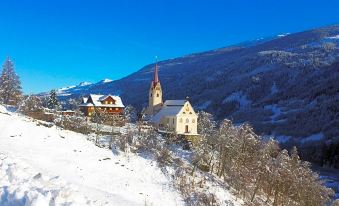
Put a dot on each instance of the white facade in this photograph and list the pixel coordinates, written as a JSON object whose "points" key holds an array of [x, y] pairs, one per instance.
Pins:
{"points": [[177, 116]]}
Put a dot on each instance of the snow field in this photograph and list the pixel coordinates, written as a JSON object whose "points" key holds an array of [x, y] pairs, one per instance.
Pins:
{"points": [[40, 165], [21, 186]]}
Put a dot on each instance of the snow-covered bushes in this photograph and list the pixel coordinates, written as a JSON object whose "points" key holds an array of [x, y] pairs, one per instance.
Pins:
{"points": [[254, 167], [164, 157], [30, 104], [76, 122], [336, 203]]}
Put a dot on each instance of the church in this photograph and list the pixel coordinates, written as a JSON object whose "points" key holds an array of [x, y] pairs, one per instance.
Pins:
{"points": [[175, 115]]}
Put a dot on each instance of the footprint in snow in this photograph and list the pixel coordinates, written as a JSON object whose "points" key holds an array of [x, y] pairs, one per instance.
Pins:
{"points": [[37, 176], [53, 178]]}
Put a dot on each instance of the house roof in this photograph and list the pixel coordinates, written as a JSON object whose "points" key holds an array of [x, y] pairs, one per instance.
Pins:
{"points": [[84, 99], [98, 98]]}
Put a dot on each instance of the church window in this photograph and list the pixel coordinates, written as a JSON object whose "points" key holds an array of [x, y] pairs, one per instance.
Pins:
{"points": [[187, 120], [173, 120], [193, 120], [157, 95]]}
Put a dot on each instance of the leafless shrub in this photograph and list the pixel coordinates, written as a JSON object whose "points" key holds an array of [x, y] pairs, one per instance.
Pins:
{"points": [[76, 123], [335, 203], [164, 157]]}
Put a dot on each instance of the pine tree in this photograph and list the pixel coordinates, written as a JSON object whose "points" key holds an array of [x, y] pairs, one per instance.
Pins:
{"points": [[10, 86], [53, 101]]}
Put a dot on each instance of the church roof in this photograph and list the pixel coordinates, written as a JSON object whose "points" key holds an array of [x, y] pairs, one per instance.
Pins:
{"points": [[174, 102], [170, 108]]}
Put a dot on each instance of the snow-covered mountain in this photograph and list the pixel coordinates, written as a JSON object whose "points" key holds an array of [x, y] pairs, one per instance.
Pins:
{"points": [[287, 86], [81, 89]]}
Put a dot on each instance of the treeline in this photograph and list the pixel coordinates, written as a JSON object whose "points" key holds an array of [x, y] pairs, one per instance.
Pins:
{"points": [[259, 170]]}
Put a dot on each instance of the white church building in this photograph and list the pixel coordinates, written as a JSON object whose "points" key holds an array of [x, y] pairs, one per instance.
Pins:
{"points": [[174, 115]]}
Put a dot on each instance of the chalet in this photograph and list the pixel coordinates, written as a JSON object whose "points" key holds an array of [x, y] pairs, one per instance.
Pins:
{"points": [[104, 103], [175, 115]]}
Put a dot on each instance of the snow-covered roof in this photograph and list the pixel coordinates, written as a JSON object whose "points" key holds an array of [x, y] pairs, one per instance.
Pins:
{"points": [[166, 111], [174, 102], [84, 99], [170, 108], [97, 101]]}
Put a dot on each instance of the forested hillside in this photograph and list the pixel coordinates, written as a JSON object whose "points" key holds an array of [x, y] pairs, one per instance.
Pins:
{"points": [[287, 87]]}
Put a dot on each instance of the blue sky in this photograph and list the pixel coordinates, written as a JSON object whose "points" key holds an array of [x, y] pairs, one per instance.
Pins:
{"points": [[64, 42]]}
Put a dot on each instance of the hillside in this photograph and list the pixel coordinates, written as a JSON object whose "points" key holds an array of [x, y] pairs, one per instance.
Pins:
{"points": [[41, 164], [287, 87]]}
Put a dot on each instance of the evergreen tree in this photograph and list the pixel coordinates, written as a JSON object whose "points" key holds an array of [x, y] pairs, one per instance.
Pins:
{"points": [[53, 101], [10, 86]]}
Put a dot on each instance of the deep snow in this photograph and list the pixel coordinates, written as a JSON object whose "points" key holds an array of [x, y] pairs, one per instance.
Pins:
{"points": [[40, 166]]}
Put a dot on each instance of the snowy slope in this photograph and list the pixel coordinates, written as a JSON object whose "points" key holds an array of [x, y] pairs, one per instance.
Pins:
{"points": [[40, 166]]}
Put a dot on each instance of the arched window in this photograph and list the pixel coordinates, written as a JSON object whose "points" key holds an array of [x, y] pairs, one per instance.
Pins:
{"points": [[187, 120], [157, 95]]}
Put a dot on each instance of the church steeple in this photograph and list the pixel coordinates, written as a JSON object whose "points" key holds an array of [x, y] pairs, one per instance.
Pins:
{"points": [[155, 93]]}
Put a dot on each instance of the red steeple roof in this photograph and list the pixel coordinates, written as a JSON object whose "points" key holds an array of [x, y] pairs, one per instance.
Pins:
{"points": [[156, 77]]}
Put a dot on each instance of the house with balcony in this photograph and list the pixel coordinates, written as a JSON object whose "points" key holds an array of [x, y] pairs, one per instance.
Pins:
{"points": [[102, 103]]}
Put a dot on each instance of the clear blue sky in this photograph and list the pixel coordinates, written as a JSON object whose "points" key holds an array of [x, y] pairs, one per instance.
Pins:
{"points": [[61, 43]]}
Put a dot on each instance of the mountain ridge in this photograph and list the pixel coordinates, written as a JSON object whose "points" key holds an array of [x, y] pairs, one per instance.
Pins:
{"points": [[286, 87]]}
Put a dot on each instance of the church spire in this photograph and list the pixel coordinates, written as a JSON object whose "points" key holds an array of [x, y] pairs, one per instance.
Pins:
{"points": [[156, 77]]}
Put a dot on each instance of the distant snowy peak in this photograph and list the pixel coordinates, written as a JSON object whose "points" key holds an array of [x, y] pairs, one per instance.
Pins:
{"points": [[81, 88], [105, 81], [66, 88], [336, 37], [84, 84], [283, 35]]}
